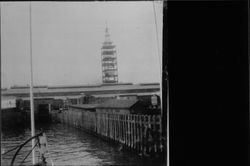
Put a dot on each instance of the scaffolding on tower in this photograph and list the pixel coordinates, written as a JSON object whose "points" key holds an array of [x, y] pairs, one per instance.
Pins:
{"points": [[109, 61]]}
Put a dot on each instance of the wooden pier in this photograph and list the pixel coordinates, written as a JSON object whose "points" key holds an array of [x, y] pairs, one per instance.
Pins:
{"points": [[140, 133]]}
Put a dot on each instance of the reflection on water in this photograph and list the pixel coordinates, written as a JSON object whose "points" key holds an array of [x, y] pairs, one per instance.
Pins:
{"points": [[70, 146]]}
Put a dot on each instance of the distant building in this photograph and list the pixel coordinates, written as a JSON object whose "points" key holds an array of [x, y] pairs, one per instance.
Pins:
{"points": [[126, 106], [116, 106], [109, 61]]}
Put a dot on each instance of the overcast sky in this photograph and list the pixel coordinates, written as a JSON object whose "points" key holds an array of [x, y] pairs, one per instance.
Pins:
{"points": [[67, 41]]}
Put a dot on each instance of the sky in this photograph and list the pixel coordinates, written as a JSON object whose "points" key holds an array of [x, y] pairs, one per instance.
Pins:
{"points": [[67, 38]]}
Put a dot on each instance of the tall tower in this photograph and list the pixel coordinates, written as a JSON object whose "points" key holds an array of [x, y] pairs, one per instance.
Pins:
{"points": [[109, 60]]}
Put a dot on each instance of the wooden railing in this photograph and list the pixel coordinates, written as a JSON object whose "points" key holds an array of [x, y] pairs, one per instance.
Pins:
{"points": [[142, 133]]}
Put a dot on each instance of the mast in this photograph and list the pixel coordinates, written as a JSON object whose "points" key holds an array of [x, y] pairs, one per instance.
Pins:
{"points": [[165, 122], [31, 92], [1, 52]]}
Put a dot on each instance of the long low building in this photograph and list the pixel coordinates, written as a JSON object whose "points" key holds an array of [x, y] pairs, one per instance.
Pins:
{"points": [[95, 90]]}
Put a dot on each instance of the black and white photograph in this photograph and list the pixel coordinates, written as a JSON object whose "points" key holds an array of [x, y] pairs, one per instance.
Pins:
{"points": [[81, 83]]}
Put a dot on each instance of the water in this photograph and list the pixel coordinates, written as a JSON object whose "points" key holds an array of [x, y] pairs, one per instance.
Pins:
{"points": [[70, 146]]}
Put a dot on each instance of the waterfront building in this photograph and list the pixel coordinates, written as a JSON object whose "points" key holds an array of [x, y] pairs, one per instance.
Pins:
{"points": [[126, 106], [109, 60], [116, 106], [53, 98]]}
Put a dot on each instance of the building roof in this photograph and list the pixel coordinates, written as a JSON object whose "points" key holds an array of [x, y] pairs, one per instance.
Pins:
{"points": [[84, 106], [102, 89], [118, 103], [53, 97]]}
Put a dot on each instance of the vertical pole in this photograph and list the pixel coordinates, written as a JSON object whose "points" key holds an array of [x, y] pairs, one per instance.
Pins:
{"points": [[149, 128], [123, 128], [0, 58], [111, 126], [126, 129], [145, 132], [140, 132], [137, 133], [129, 130], [105, 117], [167, 134], [115, 127], [103, 123], [119, 128], [133, 131], [31, 93], [97, 122], [95, 131]]}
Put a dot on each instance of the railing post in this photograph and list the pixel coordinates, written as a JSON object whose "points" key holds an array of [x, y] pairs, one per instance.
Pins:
{"points": [[126, 130], [123, 128], [111, 127], [145, 133], [140, 132], [136, 133], [115, 127], [120, 129]]}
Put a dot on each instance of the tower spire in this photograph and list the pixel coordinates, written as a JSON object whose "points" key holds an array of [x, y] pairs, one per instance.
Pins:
{"points": [[106, 25], [107, 35]]}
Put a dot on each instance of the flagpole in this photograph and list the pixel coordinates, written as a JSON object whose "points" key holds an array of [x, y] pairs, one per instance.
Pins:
{"points": [[31, 92]]}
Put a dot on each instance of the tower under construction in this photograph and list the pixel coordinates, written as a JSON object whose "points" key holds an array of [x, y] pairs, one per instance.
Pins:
{"points": [[109, 60]]}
